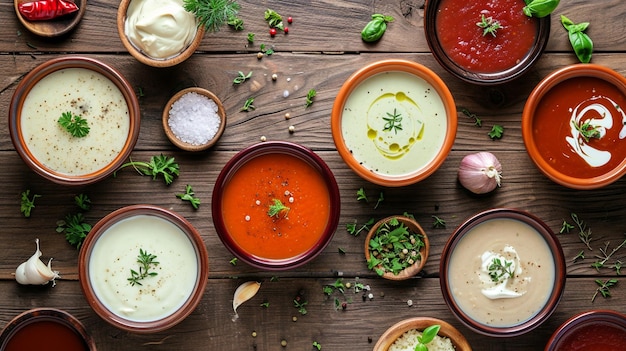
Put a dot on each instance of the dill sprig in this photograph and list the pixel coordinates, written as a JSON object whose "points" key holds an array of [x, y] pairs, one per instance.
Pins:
{"points": [[212, 14]]}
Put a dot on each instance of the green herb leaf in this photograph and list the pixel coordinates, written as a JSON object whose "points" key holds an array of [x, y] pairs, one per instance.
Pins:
{"points": [[360, 195], [212, 14], [540, 8], [75, 229], [146, 262], [392, 122], [75, 125], [189, 195], [496, 132], [27, 203], [587, 131], [394, 247], [489, 25], [276, 208], [241, 77], [499, 269], [581, 43], [309, 97], [235, 22], [247, 106], [604, 288], [158, 165], [438, 222], [477, 121], [274, 20], [250, 38], [82, 201]]}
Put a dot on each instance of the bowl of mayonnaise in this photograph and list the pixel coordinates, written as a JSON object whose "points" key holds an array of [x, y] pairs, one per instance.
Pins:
{"points": [[158, 33]]}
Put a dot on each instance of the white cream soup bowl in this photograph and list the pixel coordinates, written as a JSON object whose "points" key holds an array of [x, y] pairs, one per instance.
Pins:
{"points": [[154, 302], [84, 87], [502, 272]]}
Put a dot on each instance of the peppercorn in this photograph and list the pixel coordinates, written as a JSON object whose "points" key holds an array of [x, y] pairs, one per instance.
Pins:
{"points": [[274, 76], [292, 129], [344, 305], [259, 55], [283, 343]]}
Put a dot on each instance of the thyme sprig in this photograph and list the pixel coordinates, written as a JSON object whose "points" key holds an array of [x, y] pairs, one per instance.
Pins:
{"points": [[241, 77], [605, 256], [146, 262], [604, 288], [584, 233], [499, 269], [393, 122]]}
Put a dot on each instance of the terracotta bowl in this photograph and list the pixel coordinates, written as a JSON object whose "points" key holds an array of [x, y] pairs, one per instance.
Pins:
{"points": [[153, 303], [413, 227], [601, 329], [252, 181], [421, 323], [144, 58], [55, 27], [510, 307], [188, 146], [394, 122], [555, 111], [481, 69], [24, 332], [117, 129]]}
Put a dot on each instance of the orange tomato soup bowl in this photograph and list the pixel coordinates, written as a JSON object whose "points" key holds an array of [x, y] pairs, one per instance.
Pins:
{"points": [[558, 107], [394, 122], [253, 182]]}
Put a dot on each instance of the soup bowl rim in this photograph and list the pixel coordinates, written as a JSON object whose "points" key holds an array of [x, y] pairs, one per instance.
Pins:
{"points": [[264, 148], [559, 275], [605, 316]]}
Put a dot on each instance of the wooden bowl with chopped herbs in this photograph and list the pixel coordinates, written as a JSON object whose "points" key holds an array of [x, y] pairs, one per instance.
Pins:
{"points": [[396, 248]]}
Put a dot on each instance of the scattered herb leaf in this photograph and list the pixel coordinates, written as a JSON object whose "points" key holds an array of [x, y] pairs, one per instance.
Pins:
{"points": [[352, 227], [309, 97], [566, 227], [274, 20], [146, 262], [300, 304], [477, 121], [28, 203], [438, 222], [82, 201], [317, 345], [158, 165], [233, 261], [584, 233], [75, 229], [241, 77], [235, 22], [605, 256], [250, 38], [74, 124], [580, 256], [264, 49], [604, 288], [360, 195], [265, 304], [189, 195], [247, 106], [381, 198], [496, 132]]}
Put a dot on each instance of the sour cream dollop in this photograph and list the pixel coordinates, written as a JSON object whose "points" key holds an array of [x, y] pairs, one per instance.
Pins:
{"points": [[507, 287], [159, 28]]}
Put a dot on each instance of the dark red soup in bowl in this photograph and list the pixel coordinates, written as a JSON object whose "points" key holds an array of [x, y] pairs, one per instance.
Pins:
{"points": [[457, 36], [597, 330], [574, 126]]}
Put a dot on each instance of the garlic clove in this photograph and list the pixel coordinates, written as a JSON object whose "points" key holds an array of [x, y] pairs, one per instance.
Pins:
{"points": [[244, 293], [480, 172], [34, 271]]}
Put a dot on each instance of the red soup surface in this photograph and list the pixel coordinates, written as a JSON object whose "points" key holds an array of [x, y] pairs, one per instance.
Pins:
{"points": [[255, 186], [573, 103], [595, 337], [46, 335], [463, 40]]}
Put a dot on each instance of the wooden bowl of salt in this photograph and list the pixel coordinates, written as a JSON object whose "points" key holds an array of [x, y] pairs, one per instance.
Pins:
{"points": [[194, 119]]}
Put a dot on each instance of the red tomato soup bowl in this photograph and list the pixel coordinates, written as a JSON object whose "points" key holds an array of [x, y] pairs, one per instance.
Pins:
{"points": [[595, 330], [502, 272], [574, 126], [143, 269], [275, 205], [394, 122], [458, 43], [74, 86], [45, 329]]}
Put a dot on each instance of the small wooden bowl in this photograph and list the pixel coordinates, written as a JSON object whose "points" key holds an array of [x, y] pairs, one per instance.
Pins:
{"points": [[55, 27], [143, 58], [413, 227], [188, 146], [421, 323]]}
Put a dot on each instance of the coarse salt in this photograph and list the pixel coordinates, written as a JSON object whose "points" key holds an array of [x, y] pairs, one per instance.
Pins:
{"points": [[194, 118]]}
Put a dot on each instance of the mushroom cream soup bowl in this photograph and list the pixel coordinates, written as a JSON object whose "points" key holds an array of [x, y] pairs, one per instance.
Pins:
{"points": [[143, 268], [45, 329], [394, 122], [140, 26], [275, 205], [502, 272], [76, 86], [458, 43], [574, 126], [408, 326]]}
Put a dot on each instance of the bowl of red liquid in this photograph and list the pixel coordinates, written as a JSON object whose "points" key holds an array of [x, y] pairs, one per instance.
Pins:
{"points": [[574, 126], [596, 330], [456, 32], [275, 205], [45, 329]]}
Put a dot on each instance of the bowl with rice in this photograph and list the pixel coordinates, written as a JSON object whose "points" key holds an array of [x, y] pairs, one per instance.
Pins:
{"points": [[403, 335], [194, 119]]}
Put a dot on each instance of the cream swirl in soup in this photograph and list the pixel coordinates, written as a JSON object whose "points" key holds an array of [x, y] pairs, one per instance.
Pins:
{"points": [[82, 92], [115, 253], [394, 123], [509, 295]]}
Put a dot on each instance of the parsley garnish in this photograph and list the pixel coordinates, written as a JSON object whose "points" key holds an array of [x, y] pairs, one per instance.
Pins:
{"points": [[496, 132], [499, 269], [158, 165], [75, 125], [309, 97], [27, 203], [75, 228], [189, 196]]}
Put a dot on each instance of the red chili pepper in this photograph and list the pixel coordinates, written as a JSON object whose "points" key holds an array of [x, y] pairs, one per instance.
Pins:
{"points": [[42, 10]]}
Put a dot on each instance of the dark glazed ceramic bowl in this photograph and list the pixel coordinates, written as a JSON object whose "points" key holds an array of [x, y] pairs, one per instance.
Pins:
{"points": [[469, 71], [421, 323], [232, 206], [141, 56], [55, 27], [81, 92], [569, 97], [183, 145], [413, 227], [24, 332], [366, 141], [603, 329], [513, 236], [111, 250]]}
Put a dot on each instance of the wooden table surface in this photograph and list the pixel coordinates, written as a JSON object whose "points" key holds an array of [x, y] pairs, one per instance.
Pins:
{"points": [[321, 50]]}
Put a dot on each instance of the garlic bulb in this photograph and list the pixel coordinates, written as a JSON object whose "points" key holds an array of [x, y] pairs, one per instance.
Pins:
{"points": [[480, 173], [35, 272]]}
